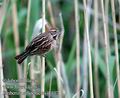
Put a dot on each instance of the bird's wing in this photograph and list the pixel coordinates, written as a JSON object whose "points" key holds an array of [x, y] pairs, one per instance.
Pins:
{"points": [[40, 44]]}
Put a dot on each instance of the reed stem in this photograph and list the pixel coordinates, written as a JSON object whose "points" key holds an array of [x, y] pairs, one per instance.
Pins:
{"points": [[110, 94], [43, 58], [96, 49], [16, 37], [77, 48], [116, 46], [89, 49]]}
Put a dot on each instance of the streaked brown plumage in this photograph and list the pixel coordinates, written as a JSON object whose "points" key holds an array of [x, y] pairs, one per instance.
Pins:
{"points": [[40, 45]]}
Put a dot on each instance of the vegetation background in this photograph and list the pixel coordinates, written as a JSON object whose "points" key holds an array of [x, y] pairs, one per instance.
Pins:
{"points": [[90, 64]]}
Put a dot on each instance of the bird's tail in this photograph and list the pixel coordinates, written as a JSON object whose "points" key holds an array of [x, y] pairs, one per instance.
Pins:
{"points": [[21, 57]]}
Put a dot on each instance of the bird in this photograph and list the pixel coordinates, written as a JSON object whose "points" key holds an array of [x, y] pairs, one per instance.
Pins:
{"points": [[40, 45]]}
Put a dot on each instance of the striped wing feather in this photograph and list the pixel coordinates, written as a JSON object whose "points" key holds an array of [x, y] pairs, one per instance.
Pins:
{"points": [[40, 44]]}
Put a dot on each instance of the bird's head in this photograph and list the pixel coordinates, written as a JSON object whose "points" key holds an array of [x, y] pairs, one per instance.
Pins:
{"points": [[55, 33]]}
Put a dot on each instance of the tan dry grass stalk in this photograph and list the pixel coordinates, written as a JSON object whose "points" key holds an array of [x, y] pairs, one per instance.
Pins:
{"points": [[77, 48], [58, 58], [62, 81], [51, 13], [107, 26], [85, 68], [89, 50], [26, 35], [110, 93], [96, 49], [2, 10], [50, 85], [43, 58], [116, 45], [16, 39], [59, 83], [85, 53], [62, 69], [62, 35], [1, 72], [32, 77], [26, 39]]}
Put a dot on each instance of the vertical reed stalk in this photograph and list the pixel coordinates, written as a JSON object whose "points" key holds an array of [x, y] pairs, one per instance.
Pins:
{"points": [[51, 13], [3, 11], [58, 80], [58, 57], [96, 49], [63, 87], [26, 39], [32, 76], [110, 94], [63, 73], [50, 86], [43, 58], [107, 26], [16, 37], [1, 73], [116, 45], [77, 48], [66, 87], [26, 34], [85, 68], [89, 50], [85, 54]]}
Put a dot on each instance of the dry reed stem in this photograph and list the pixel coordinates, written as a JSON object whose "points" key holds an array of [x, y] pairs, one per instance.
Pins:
{"points": [[89, 50], [110, 94], [77, 48], [85, 52], [26, 34], [62, 68], [1, 71], [59, 83], [43, 58], [62, 35], [96, 49], [16, 37], [63, 87], [116, 46], [85, 68], [107, 27], [3, 11], [50, 86], [32, 75], [58, 58], [26, 39], [51, 13]]}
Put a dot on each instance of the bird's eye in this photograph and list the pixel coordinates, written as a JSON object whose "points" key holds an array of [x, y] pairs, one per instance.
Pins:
{"points": [[55, 37]]}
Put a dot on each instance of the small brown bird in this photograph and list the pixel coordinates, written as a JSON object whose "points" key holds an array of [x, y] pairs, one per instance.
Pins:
{"points": [[40, 45]]}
